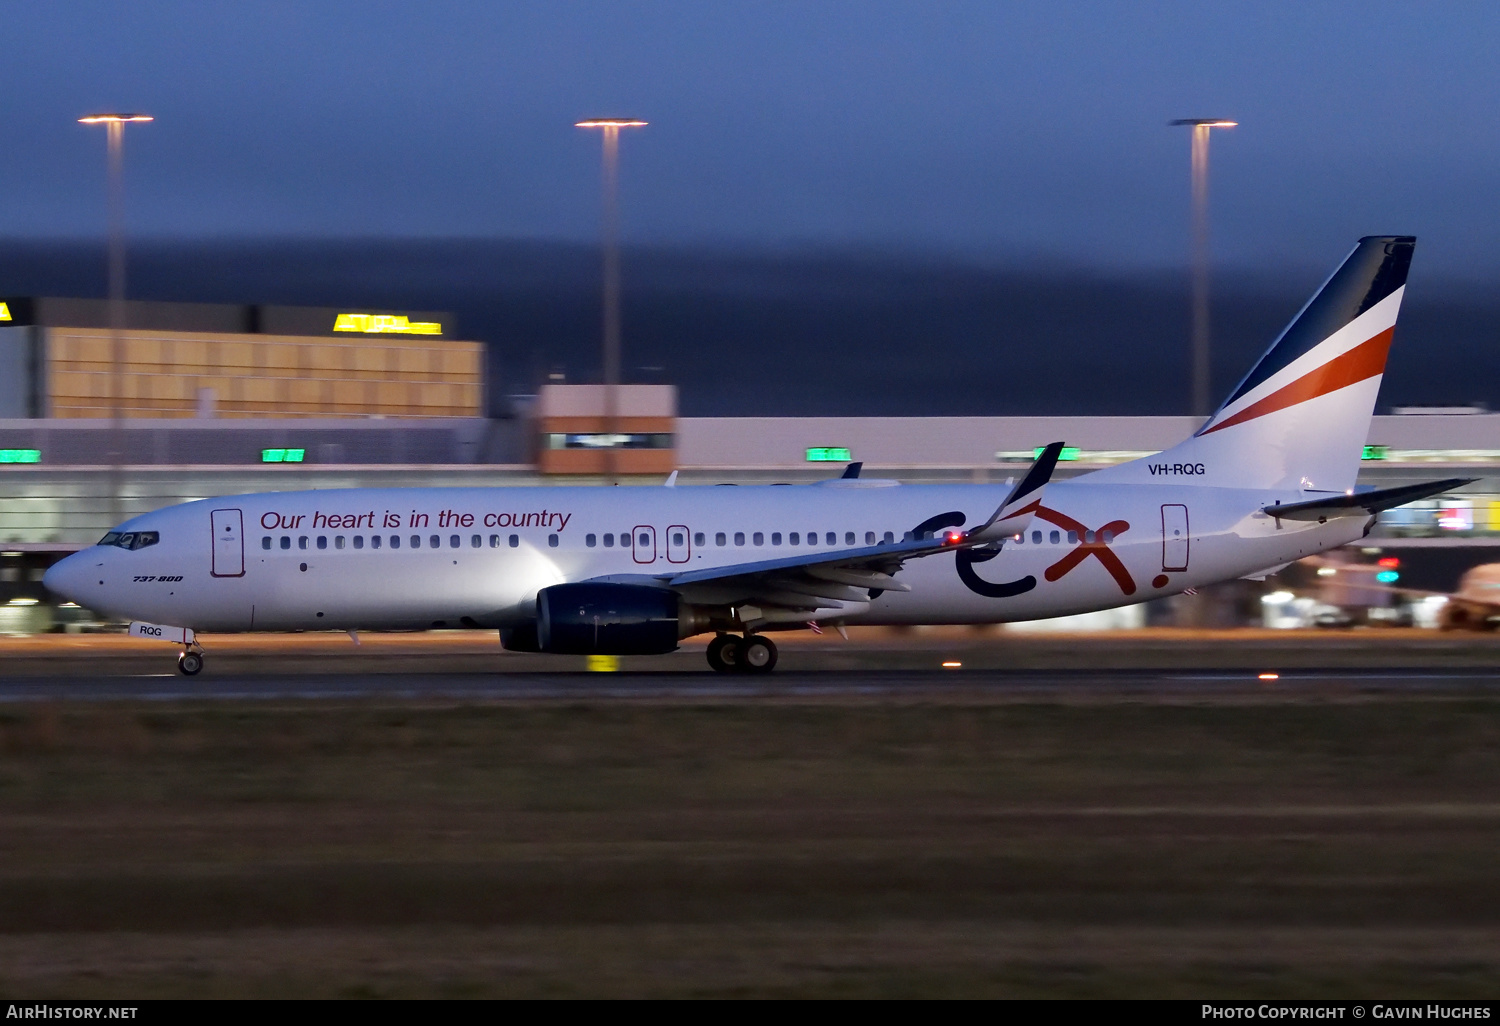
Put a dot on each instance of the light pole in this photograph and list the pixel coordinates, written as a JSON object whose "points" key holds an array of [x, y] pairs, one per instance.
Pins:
{"points": [[611, 243], [1201, 384], [115, 123]]}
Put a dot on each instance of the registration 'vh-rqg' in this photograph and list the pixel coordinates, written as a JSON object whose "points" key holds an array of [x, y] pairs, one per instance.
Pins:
{"points": [[1268, 479]]}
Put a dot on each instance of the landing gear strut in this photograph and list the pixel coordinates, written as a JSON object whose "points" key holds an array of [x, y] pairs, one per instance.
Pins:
{"points": [[190, 663], [752, 654]]}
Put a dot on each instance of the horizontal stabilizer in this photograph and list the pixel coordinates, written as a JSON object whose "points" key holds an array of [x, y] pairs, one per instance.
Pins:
{"points": [[1364, 503]]}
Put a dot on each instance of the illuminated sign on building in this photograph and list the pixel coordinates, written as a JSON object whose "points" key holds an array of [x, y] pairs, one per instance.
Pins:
{"points": [[282, 455], [4, 311], [828, 454], [20, 455], [1068, 453], [385, 324]]}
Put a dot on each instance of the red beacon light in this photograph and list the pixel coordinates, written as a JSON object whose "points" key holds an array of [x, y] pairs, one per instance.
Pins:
{"points": [[952, 537], [1391, 561]]}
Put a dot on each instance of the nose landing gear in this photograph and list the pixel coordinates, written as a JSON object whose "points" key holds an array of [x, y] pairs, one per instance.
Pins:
{"points": [[751, 654]]}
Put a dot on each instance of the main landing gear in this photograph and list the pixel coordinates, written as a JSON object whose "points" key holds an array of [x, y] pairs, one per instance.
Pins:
{"points": [[750, 654], [190, 663]]}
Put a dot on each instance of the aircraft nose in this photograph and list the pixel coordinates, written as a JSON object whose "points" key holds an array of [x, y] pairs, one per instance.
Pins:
{"points": [[65, 578]]}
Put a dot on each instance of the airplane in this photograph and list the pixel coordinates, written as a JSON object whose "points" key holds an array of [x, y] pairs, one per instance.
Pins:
{"points": [[1268, 479]]}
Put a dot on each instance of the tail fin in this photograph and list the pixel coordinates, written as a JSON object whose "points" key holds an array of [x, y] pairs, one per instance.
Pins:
{"points": [[1299, 419]]}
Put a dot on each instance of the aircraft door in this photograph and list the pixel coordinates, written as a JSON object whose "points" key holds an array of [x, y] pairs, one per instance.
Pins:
{"points": [[643, 544], [679, 544], [1174, 537], [229, 543]]}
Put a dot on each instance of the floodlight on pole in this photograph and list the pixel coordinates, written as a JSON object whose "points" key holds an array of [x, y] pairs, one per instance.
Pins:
{"points": [[115, 124], [611, 245], [1202, 386]]}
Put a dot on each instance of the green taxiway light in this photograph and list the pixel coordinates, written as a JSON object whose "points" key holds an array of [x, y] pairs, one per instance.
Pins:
{"points": [[1068, 453], [20, 455], [282, 455], [828, 454]]}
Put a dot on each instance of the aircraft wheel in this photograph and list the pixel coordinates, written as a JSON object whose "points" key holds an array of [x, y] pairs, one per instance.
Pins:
{"points": [[189, 663], [724, 653], [758, 655]]}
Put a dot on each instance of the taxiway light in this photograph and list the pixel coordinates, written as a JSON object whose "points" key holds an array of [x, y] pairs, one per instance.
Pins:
{"points": [[23, 602], [610, 123], [1269, 676], [952, 664], [99, 119]]}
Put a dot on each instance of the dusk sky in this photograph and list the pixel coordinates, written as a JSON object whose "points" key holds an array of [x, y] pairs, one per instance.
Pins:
{"points": [[993, 131]]}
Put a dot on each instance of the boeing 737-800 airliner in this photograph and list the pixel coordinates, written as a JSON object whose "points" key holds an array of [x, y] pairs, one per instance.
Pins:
{"points": [[1268, 479]]}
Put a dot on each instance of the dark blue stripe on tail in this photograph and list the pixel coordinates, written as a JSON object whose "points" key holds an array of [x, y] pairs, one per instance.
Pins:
{"points": [[1375, 269]]}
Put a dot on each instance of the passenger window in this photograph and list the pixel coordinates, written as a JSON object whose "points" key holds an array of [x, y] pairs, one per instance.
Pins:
{"points": [[1088, 536], [833, 539], [286, 542], [678, 538], [515, 541], [1036, 537], [775, 537], [338, 541], [758, 538], [359, 541], [1054, 537], [1107, 537], [374, 541], [453, 541], [552, 540], [644, 541], [609, 541], [1072, 537], [794, 539], [590, 540], [700, 539], [416, 541], [890, 539], [869, 537], [848, 537], [434, 542], [721, 539], [265, 542], [475, 541], [739, 537], [322, 541], [494, 541], [395, 541]]}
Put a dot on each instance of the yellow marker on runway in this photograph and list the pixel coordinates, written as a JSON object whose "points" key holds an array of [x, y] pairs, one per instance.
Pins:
{"points": [[604, 664]]}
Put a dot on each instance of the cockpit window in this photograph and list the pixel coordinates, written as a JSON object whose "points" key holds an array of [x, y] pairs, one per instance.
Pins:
{"points": [[131, 539]]}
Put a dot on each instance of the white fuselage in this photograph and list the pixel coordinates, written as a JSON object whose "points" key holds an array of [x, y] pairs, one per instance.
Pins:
{"points": [[476, 557]]}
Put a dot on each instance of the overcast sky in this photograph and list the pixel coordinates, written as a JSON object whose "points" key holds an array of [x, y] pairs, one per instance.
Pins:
{"points": [[992, 130]]}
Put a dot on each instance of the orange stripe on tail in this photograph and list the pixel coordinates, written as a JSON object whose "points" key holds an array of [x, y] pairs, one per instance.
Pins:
{"points": [[1363, 361]]}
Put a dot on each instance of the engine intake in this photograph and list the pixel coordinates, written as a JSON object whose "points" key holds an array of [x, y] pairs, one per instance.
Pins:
{"points": [[609, 619]]}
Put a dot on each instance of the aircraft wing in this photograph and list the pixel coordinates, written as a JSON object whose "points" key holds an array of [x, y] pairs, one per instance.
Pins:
{"points": [[842, 582]]}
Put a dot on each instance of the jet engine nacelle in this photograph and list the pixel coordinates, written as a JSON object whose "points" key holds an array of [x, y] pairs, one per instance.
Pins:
{"points": [[611, 619]]}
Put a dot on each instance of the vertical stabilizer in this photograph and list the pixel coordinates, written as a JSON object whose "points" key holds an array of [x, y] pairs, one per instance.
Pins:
{"points": [[1299, 419]]}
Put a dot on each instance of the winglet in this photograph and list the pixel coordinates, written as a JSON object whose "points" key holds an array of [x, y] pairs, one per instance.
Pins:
{"points": [[1016, 511], [852, 471]]}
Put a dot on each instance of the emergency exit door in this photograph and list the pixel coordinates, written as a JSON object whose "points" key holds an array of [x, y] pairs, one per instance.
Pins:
{"points": [[229, 543], [1174, 537], [643, 544], [679, 544]]}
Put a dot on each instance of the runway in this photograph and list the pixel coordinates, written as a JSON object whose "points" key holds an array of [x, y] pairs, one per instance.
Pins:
{"points": [[954, 685]]}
